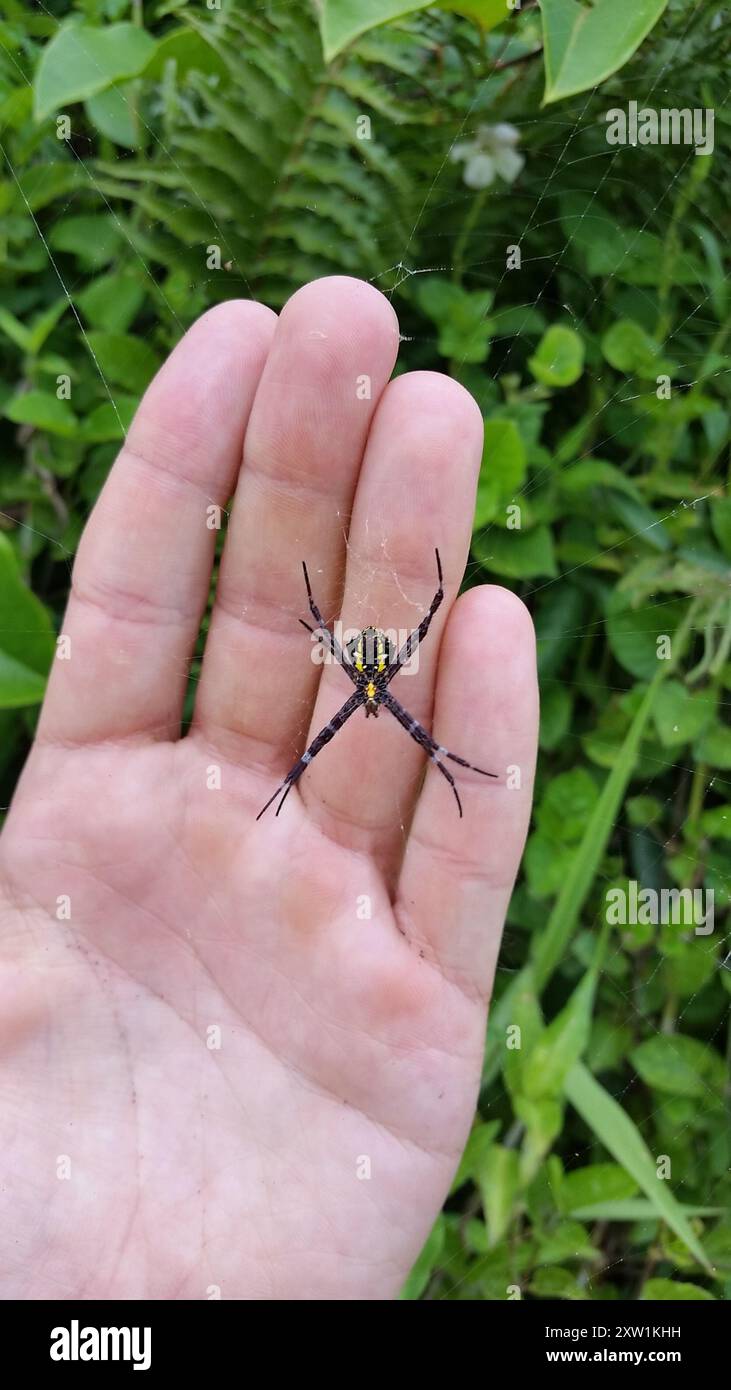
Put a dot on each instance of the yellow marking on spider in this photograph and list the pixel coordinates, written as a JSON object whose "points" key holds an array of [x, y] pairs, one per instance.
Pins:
{"points": [[370, 690]]}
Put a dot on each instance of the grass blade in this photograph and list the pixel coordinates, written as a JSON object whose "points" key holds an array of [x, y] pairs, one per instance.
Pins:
{"points": [[621, 1137]]}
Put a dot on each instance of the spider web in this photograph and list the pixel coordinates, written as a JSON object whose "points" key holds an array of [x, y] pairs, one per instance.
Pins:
{"points": [[440, 192]]}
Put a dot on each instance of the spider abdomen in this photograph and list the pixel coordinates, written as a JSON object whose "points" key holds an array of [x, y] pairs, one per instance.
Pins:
{"points": [[370, 652]]}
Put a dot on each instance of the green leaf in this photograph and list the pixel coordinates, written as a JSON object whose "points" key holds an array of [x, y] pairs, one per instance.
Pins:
{"points": [[635, 1209], [26, 634], [30, 338], [93, 238], [124, 360], [476, 1150], [656, 1289], [422, 1269], [502, 471], [561, 1044], [681, 1066], [714, 747], [567, 804], [112, 301], [487, 13], [44, 411], [543, 1120], [526, 1023], [43, 183], [15, 330], [189, 50], [461, 316], [597, 1182], [80, 61], [584, 44], [559, 357], [581, 871], [565, 914], [721, 523], [637, 635], [609, 249], [556, 710], [546, 865], [629, 349], [593, 472], [680, 714], [113, 114], [19, 685], [109, 421], [44, 324], [341, 21], [639, 520], [517, 554], [499, 1181], [556, 1282], [559, 624], [567, 1241], [619, 1134]]}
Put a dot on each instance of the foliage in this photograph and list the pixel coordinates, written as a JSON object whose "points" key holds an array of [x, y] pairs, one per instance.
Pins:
{"points": [[217, 153]]}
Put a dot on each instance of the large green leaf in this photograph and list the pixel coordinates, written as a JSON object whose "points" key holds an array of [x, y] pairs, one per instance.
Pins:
{"points": [[584, 43], [619, 1134], [189, 50], [80, 61], [341, 21]]}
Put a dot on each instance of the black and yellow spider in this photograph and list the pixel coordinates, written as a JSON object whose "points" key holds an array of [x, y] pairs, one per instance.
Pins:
{"points": [[370, 663]]}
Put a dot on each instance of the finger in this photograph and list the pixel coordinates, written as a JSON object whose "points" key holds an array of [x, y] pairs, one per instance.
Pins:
{"points": [[333, 353], [143, 567], [458, 875], [416, 493]]}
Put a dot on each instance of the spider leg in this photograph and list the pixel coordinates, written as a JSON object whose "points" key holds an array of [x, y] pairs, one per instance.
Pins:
{"points": [[429, 744], [353, 703], [335, 648], [419, 633]]}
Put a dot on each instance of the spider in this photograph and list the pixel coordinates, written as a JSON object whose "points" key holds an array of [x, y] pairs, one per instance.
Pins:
{"points": [[370, 662]]}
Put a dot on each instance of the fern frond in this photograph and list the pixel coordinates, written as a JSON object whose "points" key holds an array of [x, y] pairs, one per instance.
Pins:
{"points": [[258, 162]]}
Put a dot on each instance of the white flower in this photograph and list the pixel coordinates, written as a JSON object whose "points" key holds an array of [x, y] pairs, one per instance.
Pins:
{"points": [[504, 134], [479, 171], [491, 152]]}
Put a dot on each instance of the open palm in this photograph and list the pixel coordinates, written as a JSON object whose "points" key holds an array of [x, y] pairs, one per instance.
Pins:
{"points": [[244, 1056]]}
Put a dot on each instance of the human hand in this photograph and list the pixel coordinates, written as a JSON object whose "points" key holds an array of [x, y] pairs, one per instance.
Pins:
{"points": [[345, 950]]}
